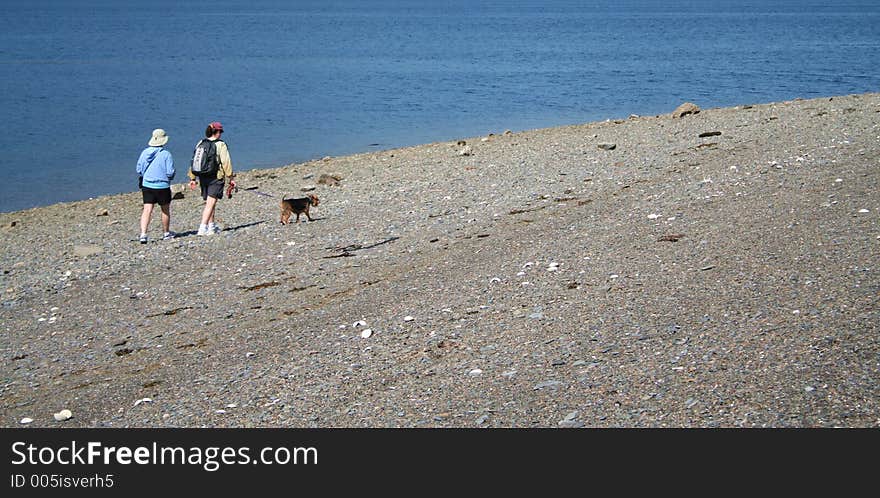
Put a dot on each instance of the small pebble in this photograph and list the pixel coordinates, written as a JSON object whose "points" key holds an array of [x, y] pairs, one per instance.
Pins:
{"points": [[63, 415], [547, 383], [366, 333], [475, 372], [143, 400], [571, 424], [408, 318], [26, 420]]}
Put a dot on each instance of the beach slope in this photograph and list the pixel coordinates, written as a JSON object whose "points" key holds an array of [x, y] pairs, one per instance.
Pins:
{"points": [[718, 269]]}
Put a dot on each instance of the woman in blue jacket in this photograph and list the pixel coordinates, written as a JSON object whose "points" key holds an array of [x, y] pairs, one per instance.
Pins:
{"points": [[156, 167]]}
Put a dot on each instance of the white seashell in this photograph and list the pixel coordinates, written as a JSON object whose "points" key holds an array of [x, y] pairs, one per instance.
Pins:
{"points": [[408, 318], [359, 323], [864, 211], [63, 415], [475, 372], [494, 280], [143, 400], [366, 333], [26, 420], [231, 405], [653, 216]]}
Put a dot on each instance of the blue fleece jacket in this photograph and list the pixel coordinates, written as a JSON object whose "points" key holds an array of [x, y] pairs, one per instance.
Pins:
{"points": [[158, 173]]}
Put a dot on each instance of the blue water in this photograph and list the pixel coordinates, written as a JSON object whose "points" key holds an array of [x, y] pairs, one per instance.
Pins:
{"points": [[84, 82]]}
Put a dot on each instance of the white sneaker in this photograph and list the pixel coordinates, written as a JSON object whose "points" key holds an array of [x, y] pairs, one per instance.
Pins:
{"points": [[214, 229], [203, 231], [169, 236], [143, 238]]}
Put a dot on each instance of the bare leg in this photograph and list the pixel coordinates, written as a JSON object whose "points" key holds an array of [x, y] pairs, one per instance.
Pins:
{"points": [[208, 212], [145, 217], [166, 217]]}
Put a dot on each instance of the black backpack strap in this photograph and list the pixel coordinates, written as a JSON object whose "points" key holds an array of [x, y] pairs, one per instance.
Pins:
{"points": [[150, 162]]}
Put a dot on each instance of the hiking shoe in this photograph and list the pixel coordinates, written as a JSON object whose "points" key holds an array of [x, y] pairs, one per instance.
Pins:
{"points": [[143, 238], [214, 229], [203, 231], [169, 236]]}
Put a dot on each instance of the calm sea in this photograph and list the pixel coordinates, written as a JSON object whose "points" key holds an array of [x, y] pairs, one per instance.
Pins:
{"points": [[85, 82]]}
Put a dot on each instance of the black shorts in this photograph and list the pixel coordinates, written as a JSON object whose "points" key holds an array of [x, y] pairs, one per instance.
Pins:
{"points": [[211, 186], [160, 196]]}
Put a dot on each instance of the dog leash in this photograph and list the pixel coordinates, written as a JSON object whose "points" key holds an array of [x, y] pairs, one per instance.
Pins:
{"points": [[254, 190]]}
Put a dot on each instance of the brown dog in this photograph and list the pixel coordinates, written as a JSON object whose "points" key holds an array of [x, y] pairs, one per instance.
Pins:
{"points": [[298, 206]]}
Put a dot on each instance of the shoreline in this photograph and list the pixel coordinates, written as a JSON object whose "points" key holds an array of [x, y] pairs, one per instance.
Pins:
{"points": [[713, 270], [179, 184]]}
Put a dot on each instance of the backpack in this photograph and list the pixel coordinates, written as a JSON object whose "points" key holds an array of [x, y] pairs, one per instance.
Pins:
{"points": [[205, 160]]}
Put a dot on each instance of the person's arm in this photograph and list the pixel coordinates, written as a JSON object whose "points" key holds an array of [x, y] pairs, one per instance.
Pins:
{"points": [[169, 166], [139, 168], [192, 179], [225, 159]]}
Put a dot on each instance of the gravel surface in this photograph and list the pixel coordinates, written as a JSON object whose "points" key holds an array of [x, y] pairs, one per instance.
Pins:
{"points": [[626, 273]]}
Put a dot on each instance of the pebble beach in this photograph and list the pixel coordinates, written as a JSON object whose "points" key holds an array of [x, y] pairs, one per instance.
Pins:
{"points": [[711, 268]]}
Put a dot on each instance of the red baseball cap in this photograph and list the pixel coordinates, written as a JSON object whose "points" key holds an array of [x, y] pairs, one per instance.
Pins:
{"points": [[216, 126]]}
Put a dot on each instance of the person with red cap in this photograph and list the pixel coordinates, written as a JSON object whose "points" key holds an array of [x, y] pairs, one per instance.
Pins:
{"points": [[212, 182]]}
